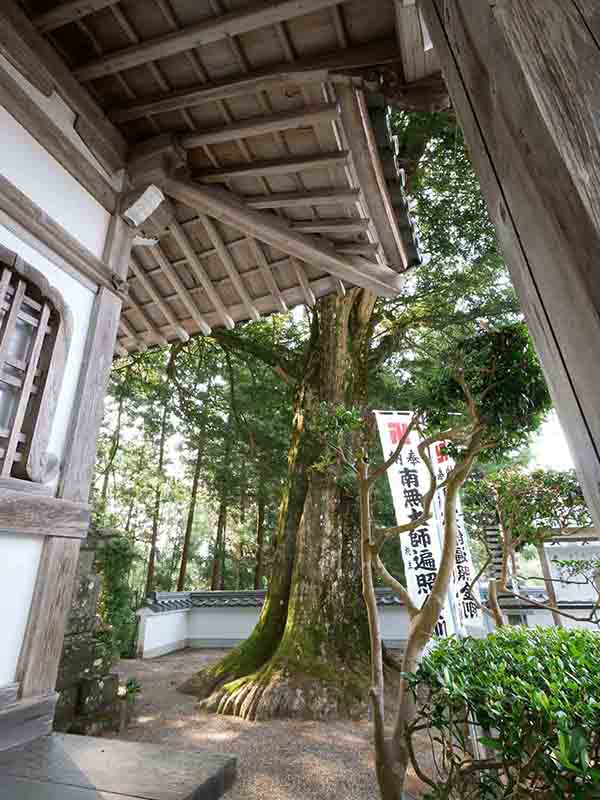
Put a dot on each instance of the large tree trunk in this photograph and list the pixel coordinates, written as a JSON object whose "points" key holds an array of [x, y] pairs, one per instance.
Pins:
{"points": [[307, 655], [260, 539], [216, 579]]}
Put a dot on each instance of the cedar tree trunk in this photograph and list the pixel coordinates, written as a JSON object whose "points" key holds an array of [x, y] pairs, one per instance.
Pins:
{"points": [[308, 655]]}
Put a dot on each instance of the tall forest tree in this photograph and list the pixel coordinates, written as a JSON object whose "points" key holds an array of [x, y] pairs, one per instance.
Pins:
{"points": [[307, 655]]}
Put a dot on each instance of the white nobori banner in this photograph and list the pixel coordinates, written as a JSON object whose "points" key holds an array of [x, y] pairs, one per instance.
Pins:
{"points": [[421, 549]]}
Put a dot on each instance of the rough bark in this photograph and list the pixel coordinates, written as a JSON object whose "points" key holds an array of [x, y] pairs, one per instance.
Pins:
{"points": [[260, 540], [216, 579], [307, 656]]}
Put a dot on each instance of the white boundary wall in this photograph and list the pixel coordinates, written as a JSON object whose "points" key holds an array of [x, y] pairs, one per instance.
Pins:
{"points": [[214, 627]]}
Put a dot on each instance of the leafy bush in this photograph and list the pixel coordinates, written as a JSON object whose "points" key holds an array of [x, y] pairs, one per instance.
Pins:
{"points": [[532, 696], [114, 561]]}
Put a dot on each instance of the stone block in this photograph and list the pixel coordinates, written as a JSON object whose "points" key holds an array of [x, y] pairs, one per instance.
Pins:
{"points": [[66, 709], [84, 656], [82, 616], [98, 694]]}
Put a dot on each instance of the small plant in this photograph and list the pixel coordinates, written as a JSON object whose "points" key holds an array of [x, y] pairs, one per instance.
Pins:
{"points": [[531, 697], [116, 600]]}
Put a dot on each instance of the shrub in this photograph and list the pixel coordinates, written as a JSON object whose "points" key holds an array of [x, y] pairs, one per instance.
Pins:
{"points": [[114, 560], [533, 698]]}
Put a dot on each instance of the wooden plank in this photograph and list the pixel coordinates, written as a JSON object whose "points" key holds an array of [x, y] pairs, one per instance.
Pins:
{"points": [[100, 135], [230, 267], [69, 12], [543, 218], [18, 52], [26, 720], [365, 161], [323, 197], [149, 323], [591, 13], [182, 292], [32, 224], [283, 121], [276, 232], [277, 166], [410, 38], [254, 16], [11, 322], [310, 70]]}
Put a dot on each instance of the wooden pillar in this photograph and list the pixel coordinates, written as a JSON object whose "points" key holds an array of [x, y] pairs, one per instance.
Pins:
{"points": [[524, 78], [42, 647]]}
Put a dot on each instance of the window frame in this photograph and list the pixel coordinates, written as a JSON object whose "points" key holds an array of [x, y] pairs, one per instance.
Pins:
{"points": [[42, 371]]}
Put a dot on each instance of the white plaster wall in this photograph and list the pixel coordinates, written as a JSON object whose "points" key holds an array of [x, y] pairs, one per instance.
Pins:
{"points": [[19, 560], [222, 623], [394, 623], [31, 169], [575, 551], [165, 632]]}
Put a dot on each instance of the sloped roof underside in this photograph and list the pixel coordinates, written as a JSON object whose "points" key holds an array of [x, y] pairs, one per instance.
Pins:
{"points": [[269, 102]]}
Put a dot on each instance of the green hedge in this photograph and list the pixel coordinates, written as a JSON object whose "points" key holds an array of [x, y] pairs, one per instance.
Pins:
{"points": [[532, 696]]}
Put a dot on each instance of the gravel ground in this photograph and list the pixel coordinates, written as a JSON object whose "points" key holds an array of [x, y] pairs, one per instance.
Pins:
{"points": [[278, 760]]}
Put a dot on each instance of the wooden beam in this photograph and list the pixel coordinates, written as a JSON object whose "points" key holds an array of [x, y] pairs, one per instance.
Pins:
{"points": [[283, 121], [267, 274], [42, 516], [200, 273], [262, 225], [69, 12], [314, 69], [140, 344], [525, 81], [344, 225], [150, 289], [230, 267], [278, 166], [182, 292], [98, 133], [368, 249], [367, 165], [151, 328], [234, 23], [324, 197]]}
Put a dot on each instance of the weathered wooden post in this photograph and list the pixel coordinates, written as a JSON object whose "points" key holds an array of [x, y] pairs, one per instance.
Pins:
{"points": [[525, 81]]}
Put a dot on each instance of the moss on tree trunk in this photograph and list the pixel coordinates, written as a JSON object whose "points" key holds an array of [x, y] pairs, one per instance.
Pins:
{"points": [[308, 654]]}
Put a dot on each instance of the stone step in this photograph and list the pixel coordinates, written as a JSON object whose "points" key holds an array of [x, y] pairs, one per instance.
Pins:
{"points": [[65, 767]]}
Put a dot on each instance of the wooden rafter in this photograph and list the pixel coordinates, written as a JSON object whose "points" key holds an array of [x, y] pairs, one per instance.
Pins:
{"points": [[313, 115], [257, 15], [182, 292], [150, 326], [149, 287], [276, 232], [200, 273], [230, 267], [313, 69], [278, 166], [309, 296], [333, 226], [267, 274]]}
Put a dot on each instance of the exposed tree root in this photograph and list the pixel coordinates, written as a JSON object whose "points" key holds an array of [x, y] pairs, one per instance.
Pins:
{"points": [[276, 693]]}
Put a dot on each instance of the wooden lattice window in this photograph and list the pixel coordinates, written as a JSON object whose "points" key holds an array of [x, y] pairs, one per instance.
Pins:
{"points": [[33, 347]]}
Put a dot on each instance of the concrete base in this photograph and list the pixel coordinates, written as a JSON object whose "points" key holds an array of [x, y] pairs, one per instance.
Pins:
{"points": [[65, 767]]}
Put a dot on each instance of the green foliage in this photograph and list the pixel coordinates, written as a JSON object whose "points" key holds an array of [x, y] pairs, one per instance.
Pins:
{"points": [[505, 380], [526, 504], [114, 561], [532, 696]]}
